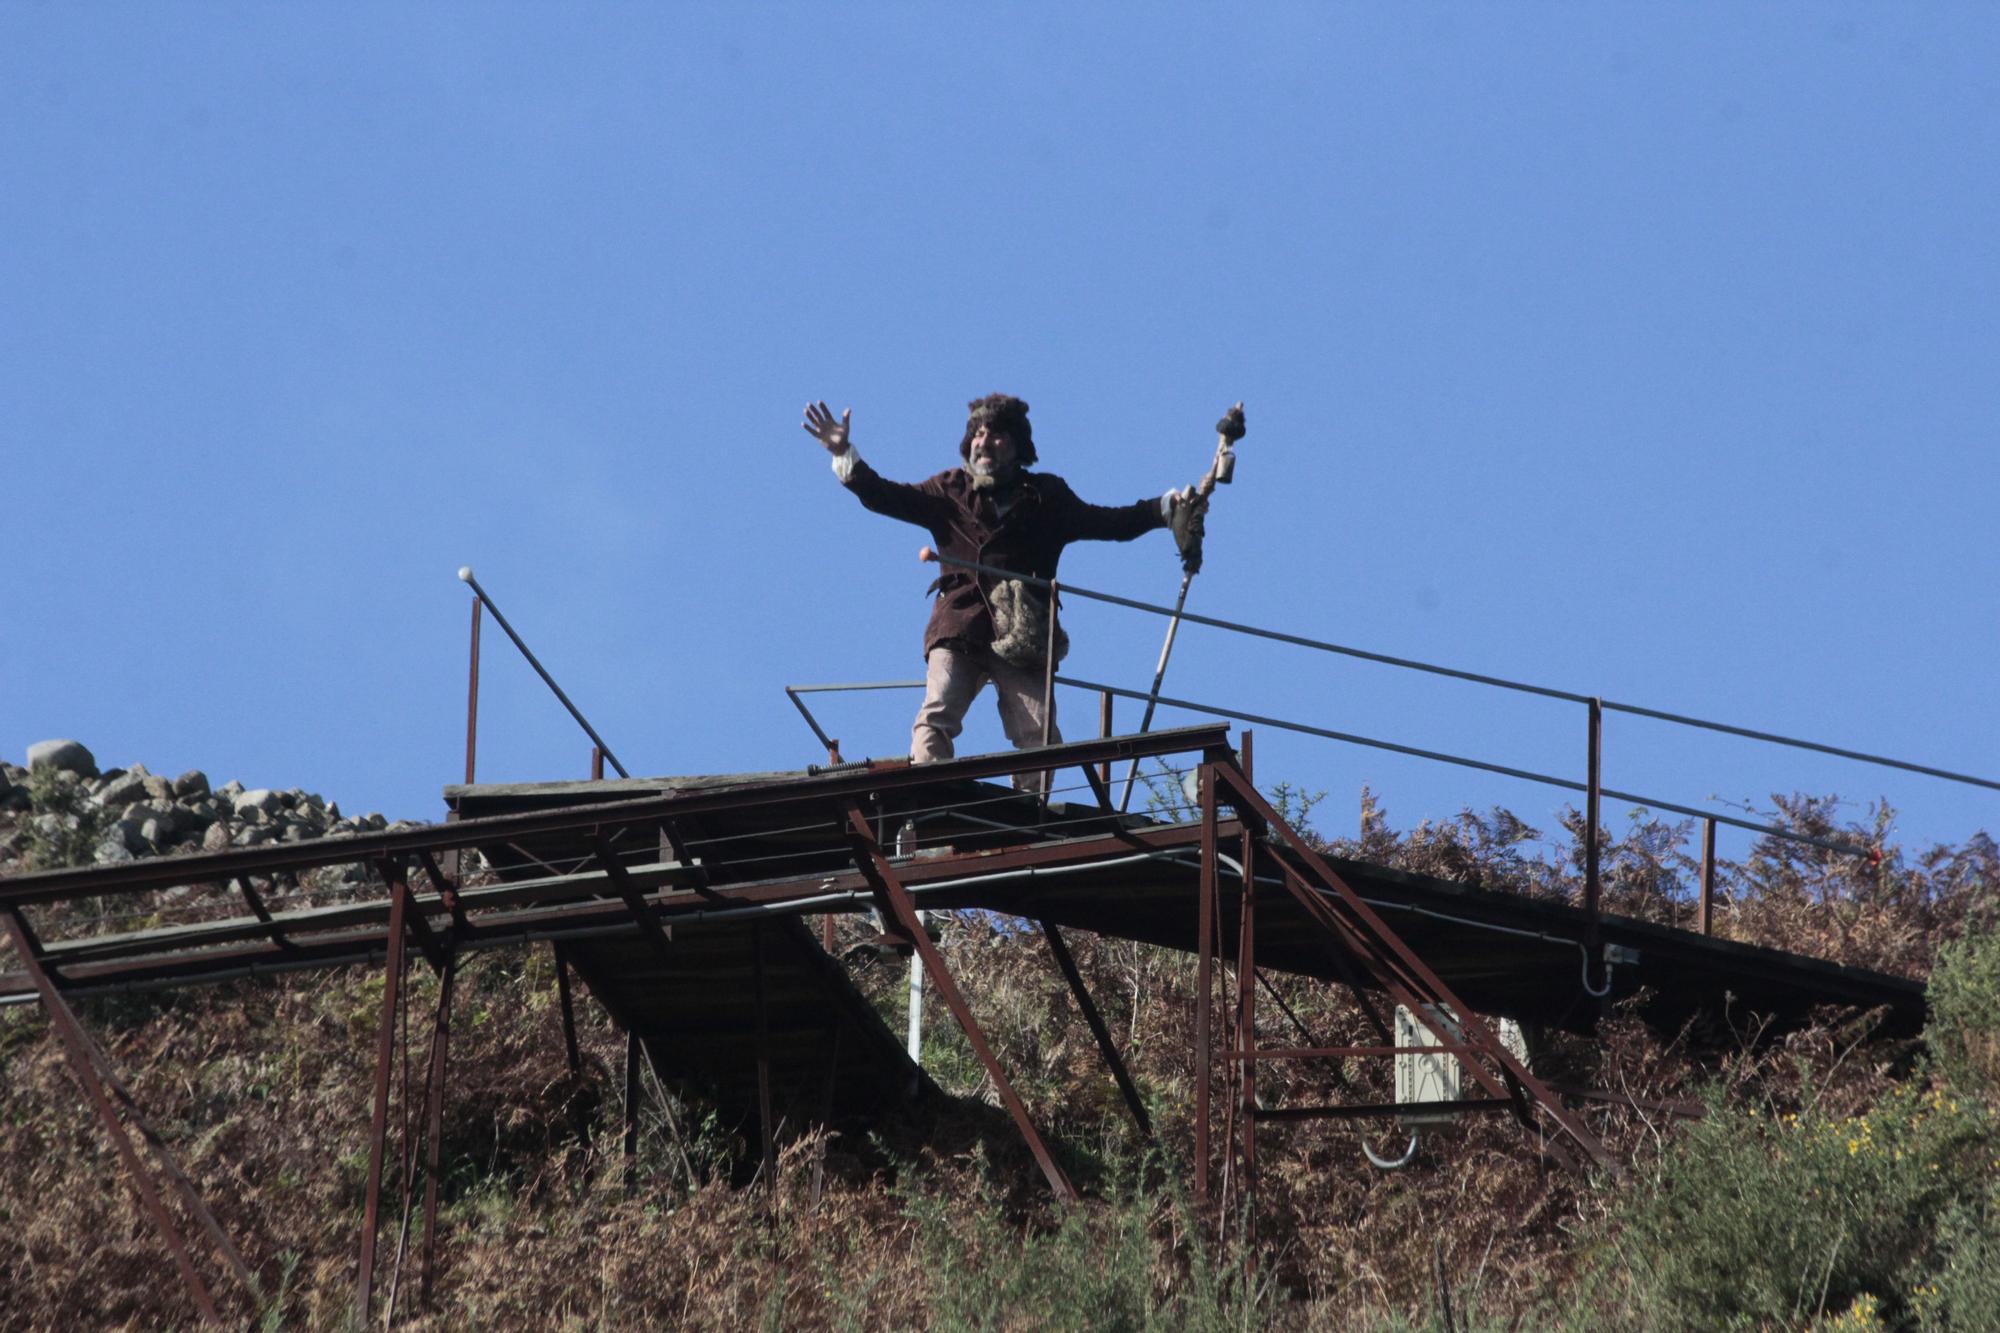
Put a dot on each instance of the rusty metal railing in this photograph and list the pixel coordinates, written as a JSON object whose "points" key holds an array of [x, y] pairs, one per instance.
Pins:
{"points": [[1591, 788]]}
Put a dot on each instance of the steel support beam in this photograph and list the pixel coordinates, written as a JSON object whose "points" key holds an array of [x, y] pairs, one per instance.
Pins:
{"points": [[1204, 951], [378, 1125], [895, 900]]}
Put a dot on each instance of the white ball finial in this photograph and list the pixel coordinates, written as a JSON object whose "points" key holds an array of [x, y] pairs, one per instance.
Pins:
{"points": [[465, 573]]}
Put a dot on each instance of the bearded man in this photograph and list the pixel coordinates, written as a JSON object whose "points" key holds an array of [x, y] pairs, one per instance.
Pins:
{"points": [[995, 511]]}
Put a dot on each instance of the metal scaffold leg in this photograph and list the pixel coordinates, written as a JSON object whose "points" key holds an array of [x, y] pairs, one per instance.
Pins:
{"points": [[378, 1129]]}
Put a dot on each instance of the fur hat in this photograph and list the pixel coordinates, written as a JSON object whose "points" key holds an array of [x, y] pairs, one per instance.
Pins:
{"points": [[1005, 412]]}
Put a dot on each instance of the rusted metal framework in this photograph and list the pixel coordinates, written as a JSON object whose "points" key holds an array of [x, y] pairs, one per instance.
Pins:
{"points": [[621, 886]]}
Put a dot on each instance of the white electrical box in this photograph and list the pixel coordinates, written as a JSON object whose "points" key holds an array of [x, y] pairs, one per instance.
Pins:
{"points": [[1439, 1078]]}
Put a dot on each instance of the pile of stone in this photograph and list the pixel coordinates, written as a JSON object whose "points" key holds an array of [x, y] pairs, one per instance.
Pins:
{"points": [[131, 813]]}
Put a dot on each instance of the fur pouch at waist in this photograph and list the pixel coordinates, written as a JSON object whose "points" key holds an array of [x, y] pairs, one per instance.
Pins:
{"points": [[1021, 624]]}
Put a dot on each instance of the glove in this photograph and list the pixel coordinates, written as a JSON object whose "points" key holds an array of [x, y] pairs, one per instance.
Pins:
{"points": [[1188, 518]]}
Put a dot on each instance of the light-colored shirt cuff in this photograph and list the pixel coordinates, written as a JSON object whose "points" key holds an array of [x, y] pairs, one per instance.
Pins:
{"points": [[844, 461], [1167, 506]]}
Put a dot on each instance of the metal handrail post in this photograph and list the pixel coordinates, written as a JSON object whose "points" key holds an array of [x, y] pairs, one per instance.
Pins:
{"points": [[1705, 913], [472, 698], [465, 576], [1592, 886]]}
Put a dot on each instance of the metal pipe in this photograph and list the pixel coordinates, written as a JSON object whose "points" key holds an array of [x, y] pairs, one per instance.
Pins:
{"points": [[1592, 885], [1159, 677], [472, 698], [1104, 729], [465, 574], [827, 742]]}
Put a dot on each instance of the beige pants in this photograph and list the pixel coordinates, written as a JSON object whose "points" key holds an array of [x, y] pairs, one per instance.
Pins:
{"points": [[952, 679]]}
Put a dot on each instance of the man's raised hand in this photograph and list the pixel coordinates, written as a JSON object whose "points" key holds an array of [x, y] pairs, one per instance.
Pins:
{"points": [[820, 424]]}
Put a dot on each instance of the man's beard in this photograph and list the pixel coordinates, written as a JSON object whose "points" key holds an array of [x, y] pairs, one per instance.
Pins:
{"points": [[984, 478]]}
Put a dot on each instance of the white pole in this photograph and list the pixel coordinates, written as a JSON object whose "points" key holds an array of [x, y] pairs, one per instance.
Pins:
{"points": [[917, 996]]}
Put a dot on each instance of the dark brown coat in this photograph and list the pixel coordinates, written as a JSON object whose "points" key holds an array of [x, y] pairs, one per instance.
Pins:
{"points": [[966, 524]]}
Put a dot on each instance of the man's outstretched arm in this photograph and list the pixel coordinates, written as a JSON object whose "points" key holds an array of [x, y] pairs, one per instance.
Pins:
{"points": [[1085, 522], [912, 504]]}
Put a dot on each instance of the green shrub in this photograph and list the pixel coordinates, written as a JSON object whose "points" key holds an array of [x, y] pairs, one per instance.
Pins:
{"points": [[1962, 1294], [1135, 1263], [1774, 1220], [1964, 1029], [63, 829]]}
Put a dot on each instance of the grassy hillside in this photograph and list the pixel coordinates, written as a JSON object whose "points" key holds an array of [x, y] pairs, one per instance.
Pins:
{"points": [[1837, 1179]]}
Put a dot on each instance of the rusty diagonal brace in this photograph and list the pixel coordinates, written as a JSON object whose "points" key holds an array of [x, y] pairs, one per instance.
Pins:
{"points": [[83, 1066], [895, 900], [190, 1196], [621, 881], [1067, 963]]}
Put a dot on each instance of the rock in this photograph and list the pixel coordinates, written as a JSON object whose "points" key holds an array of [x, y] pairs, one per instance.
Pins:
{"points": [[171, 815], [112, 851], [333, 811], [372, 820], [263, 799], [191, 784], [131, 832], [69, 756], [159, 788], [220, 835], [200, 814], [230, 790], [124, 789], [157, 832], [251, 837]]}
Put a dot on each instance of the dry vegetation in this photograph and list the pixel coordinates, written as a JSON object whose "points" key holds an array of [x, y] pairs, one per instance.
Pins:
{"points": [[941, 1220]]}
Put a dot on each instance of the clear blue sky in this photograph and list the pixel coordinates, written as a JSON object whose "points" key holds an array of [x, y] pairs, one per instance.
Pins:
{"points": [[1641, 351]]}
